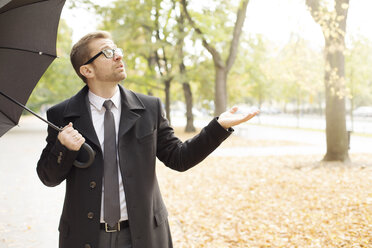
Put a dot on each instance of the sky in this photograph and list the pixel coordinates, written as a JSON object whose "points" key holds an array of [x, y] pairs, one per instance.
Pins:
{"points": [[274, 19], [285, 16]]}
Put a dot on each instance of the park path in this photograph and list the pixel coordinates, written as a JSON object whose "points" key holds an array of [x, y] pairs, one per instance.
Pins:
{"points": [[305, 142], [29, 211]]}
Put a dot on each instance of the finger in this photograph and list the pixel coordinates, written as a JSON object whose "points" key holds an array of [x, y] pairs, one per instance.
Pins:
{"points": [[75, 143], [78, 143], [78, 136], [251, 115], [74, 133], [233, 109], [245, 117], [67, 129], [71, 131], [67, 126], [81, 141]]}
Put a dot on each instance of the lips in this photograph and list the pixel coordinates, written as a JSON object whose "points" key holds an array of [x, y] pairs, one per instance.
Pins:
{"points": [[120, 67]]}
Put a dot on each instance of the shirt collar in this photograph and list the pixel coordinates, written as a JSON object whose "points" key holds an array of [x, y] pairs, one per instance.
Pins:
{"points": [[98, 101]]}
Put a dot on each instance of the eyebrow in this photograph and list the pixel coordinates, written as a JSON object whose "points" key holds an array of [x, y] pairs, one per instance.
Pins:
{"points": [[109, 47]]}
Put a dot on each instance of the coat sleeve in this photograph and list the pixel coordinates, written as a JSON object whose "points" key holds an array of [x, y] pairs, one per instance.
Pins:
{"points": [[181, 156], [56, 160]]}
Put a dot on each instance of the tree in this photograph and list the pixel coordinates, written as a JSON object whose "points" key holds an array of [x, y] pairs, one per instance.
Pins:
{"points": [[221, 67], [333, 25], [182, 68], [153, 33], [144, 29]]}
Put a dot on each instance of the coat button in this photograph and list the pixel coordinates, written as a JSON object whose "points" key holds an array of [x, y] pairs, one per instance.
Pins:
{"points": [[59, 159], [87, 246], [92, 184], [90, 215]]}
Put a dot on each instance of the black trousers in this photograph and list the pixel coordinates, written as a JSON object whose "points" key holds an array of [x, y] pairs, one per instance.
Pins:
{"points": [[119, 239]]}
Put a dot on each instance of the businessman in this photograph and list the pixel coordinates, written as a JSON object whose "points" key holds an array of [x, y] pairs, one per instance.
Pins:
{"points": [[116, 202]]}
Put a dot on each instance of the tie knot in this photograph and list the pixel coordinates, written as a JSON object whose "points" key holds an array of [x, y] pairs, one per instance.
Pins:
{"points": [[108, 104]]}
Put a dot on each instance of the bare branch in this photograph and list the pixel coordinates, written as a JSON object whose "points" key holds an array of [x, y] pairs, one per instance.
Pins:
{"points": [[240, 17], [216, 56]]}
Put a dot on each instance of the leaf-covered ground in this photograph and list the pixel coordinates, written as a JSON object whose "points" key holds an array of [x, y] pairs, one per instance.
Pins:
{"points": [[270, 201]]}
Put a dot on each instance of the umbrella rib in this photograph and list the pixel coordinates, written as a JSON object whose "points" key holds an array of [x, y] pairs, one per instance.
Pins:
{"points": [[26, 50], [30, 111], [9, 118], [19, 6]]}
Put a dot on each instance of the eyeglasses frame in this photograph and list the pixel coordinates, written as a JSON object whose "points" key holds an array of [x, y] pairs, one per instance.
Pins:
{"points": [[102, 52]]}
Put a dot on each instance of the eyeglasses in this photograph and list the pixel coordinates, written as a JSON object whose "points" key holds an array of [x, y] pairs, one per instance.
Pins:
{"points": [[109, 53]]}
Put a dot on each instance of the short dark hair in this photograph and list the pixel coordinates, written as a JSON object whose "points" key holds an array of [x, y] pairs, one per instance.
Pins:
{"points": [[80, 52]]}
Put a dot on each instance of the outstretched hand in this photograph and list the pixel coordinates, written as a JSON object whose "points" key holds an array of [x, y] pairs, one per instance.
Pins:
{"points": [[230, 118]]}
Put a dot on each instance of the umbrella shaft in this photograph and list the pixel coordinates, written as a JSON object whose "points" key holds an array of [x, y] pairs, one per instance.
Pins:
{"points": [[32, 112], [26, 50]]}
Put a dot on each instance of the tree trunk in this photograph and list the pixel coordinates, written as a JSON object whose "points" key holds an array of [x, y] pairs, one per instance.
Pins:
{"points": [[336, 135], [189, 116], [167, 84], [334, 30], [220, 91], [222, 68], [185, 85]]}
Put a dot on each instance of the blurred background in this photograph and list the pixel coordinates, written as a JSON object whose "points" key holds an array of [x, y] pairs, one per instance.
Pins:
{"points": [[276, 62], [280, 180]]}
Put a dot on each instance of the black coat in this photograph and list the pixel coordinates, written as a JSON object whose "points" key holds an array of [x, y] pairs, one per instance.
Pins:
{"points": [[144, 134]]}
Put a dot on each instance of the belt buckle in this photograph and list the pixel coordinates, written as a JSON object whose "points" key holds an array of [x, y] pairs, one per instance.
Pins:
{"points": [[109, 230]]}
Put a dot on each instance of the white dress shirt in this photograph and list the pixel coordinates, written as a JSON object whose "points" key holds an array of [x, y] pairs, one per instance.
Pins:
{"points": [[98, 114]]}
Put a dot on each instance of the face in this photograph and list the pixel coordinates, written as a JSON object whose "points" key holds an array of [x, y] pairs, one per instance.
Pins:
{"points": [[104, 69]]}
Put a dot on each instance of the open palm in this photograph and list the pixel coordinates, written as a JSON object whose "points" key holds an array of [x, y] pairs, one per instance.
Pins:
{"points": [[230, 118]]}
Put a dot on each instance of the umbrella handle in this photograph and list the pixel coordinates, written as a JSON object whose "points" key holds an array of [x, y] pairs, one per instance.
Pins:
{"points": [[91, 153], [87, 148]]}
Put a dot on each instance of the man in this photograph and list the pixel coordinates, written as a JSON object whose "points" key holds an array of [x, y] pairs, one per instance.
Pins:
{"points": [[117, 206]]}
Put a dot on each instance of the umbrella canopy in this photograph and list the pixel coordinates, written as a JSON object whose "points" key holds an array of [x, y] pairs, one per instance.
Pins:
{"points": [[28, 35]]}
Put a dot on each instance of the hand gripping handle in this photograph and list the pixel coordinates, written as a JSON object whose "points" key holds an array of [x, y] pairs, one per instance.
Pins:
{"points": [[87, 148]]}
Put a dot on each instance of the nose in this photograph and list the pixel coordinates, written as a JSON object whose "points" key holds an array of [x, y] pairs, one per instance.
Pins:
{"points": [[117, 56]]}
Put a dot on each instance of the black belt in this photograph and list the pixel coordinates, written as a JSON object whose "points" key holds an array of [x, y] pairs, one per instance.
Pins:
{"points": [[120, 226]]}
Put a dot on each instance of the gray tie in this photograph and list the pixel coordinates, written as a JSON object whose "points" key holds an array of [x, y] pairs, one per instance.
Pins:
{"points": [[111, 181]]}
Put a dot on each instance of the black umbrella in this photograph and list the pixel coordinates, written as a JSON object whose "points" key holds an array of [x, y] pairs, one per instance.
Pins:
{"points": [[28, 35]]}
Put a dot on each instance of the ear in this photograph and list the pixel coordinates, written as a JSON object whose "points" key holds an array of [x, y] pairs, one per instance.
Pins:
{"points": [[87, 71]]}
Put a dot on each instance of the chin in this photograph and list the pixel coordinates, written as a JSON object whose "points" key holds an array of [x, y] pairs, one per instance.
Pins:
{"points": [[123, 76]]}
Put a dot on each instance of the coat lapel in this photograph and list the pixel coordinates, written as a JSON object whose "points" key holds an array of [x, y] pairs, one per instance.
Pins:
{"points": [[130, 103], [78, 109], [82, 116]]}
